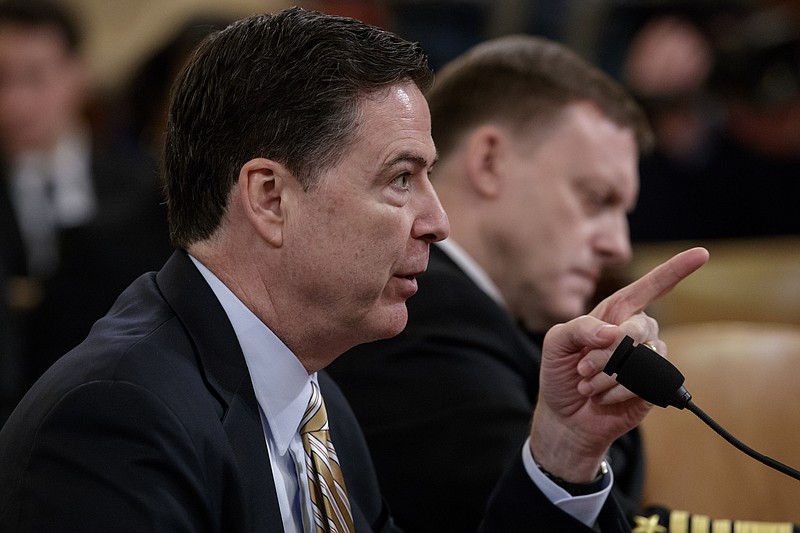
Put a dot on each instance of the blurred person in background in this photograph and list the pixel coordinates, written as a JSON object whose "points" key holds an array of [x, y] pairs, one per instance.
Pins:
{"points": [[667, 66], [723, 92], [80, 217]]}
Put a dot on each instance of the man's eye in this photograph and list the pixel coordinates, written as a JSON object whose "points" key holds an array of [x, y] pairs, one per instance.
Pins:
{"points": [[598, 200], [401, 181], [595, 201]]}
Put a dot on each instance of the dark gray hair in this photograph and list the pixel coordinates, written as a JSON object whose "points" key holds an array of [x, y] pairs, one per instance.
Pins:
{"points": [[284, 86]]}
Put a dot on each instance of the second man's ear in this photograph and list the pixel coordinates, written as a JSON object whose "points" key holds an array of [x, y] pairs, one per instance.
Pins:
{"points": [[486, 159]]}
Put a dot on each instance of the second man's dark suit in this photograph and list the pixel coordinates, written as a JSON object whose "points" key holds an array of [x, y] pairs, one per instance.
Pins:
{"points": [[459, 384], [151, 424]]}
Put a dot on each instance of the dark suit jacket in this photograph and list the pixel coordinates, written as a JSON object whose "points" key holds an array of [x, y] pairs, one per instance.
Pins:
{"points": [[10, 380], [459, 383], [151, 424], [127, 237]]}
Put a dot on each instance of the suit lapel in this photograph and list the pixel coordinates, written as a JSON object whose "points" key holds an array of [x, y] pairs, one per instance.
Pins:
{"points": [[222, 363]]}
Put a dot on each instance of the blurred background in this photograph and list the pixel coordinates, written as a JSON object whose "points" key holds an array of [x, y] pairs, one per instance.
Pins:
{"points": [[719, 79]]}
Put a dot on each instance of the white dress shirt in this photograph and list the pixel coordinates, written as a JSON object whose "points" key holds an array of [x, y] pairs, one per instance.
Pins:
{"points": [[283, 388], [51, 191], [585, 508]]}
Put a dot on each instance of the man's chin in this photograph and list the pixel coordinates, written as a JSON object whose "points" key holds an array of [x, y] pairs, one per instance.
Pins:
{"points": [[392, 322], [395, 330], [564, 312]]}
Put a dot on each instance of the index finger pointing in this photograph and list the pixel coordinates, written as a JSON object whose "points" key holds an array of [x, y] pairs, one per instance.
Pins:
{"points": [[637, 296]]}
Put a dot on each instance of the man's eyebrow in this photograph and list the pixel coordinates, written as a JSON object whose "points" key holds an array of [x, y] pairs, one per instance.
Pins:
{"points": [[413, 157]]}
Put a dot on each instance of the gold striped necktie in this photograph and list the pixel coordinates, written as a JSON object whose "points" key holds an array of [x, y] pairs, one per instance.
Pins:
{"points": [[325, 481]]}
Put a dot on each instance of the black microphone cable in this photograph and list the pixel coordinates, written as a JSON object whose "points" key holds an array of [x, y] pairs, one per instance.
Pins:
{"points": [[725, 434], [653, 378]]}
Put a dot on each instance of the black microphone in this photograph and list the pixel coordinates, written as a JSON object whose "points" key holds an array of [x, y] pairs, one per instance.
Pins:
{"points": [[650, 376]]}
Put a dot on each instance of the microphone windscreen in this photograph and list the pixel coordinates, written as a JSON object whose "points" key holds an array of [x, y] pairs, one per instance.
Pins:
{"points": [[647, 374]]}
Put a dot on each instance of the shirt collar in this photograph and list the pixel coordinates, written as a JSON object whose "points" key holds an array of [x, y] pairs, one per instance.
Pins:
{"points": [[281, 383], [472, 269]]}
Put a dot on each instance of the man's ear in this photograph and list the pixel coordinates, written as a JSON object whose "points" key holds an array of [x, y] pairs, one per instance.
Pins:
{"points": [[487, 151], [263, 188]]}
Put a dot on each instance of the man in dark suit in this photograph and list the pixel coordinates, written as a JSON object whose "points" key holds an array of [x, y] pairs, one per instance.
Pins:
{"points": [[296, 168], [80, 216], [538, 153]]}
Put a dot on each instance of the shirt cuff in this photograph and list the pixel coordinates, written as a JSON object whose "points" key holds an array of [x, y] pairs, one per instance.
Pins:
{"points": [[584, 508]]}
